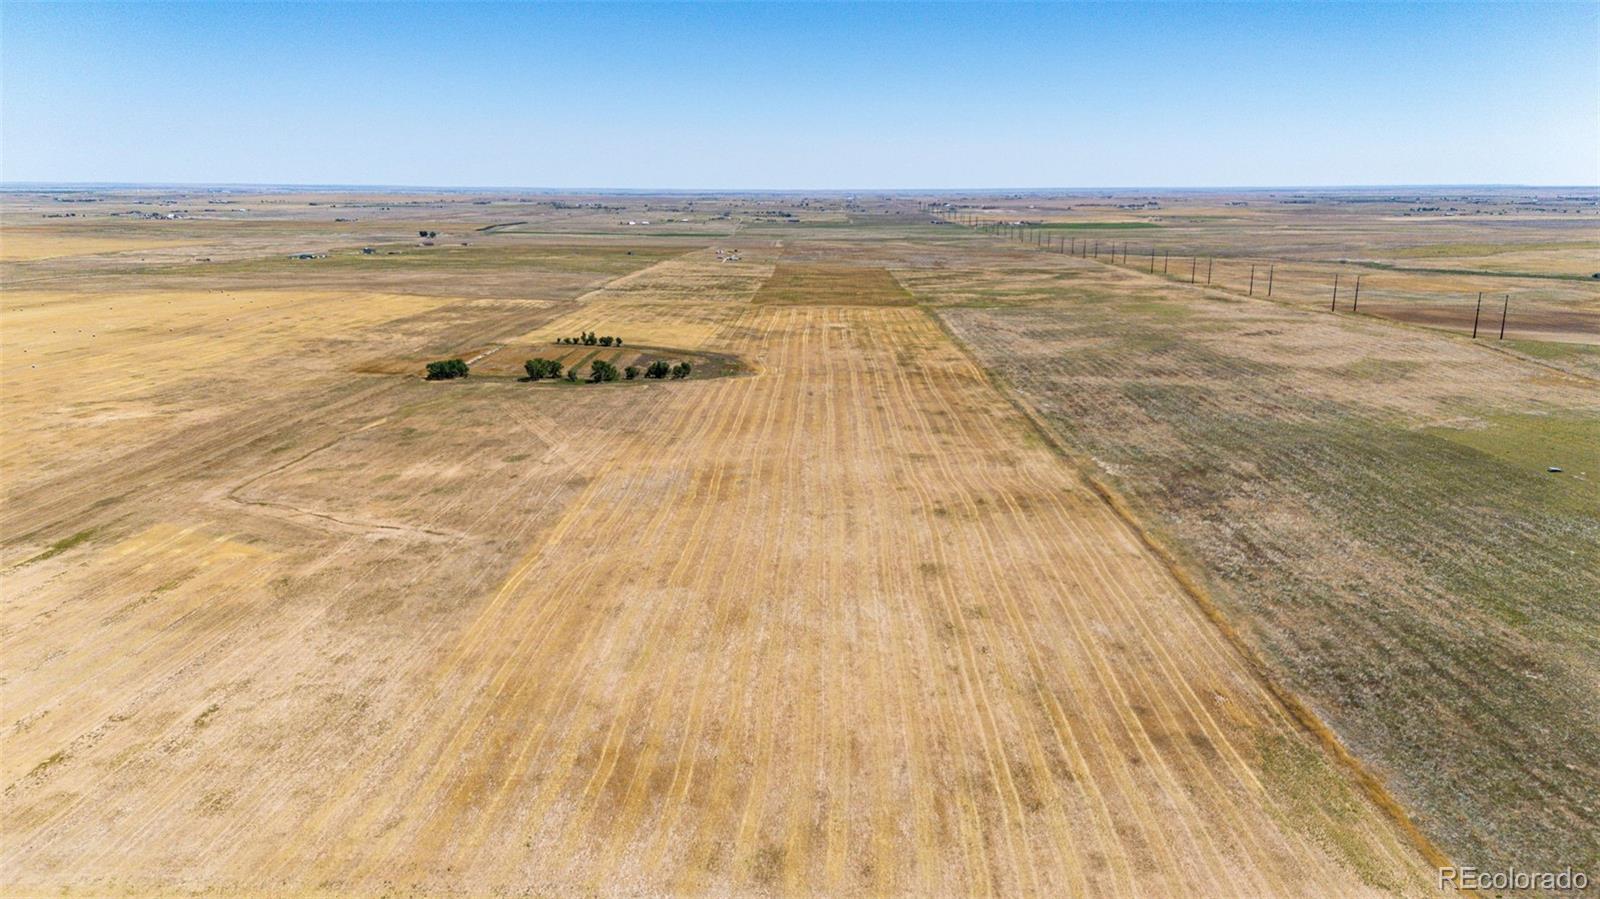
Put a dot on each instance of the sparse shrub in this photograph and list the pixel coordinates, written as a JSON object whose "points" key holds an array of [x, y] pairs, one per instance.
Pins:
{"points": [[658, 369], [447, 369], [681, 370], [572, 375], [601, 370], [542, 368], [631, 372]]}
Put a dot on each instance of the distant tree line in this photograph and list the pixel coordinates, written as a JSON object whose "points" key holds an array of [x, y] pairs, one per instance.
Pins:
{"points": [[587, 338], [600, 371]]}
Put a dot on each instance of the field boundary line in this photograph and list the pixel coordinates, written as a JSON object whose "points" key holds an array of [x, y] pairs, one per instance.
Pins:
{"points": [[1297, 709]]}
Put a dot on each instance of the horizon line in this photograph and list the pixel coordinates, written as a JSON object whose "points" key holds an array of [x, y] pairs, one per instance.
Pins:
{"points": [[19, 186]]}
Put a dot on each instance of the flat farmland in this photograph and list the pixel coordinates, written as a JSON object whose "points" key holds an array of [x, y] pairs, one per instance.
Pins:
{"points": [[1418, 258], [1375, 506], [282, 617], [813, 283]]}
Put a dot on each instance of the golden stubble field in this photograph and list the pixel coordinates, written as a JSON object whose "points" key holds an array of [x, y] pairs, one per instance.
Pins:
{"points": [[277, 622]]}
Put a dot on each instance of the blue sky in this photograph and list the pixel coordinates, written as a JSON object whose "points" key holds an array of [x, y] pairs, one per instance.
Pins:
{"points": [[802, 96]]}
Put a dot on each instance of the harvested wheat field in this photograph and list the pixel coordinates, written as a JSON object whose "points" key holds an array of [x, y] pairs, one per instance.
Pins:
{"points": [[839, 613]]}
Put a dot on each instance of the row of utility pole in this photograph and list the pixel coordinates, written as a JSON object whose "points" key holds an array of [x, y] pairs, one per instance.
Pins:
{"points": [[1119, 255]]}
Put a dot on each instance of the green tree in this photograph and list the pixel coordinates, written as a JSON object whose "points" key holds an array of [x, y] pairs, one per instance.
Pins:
{"points": [[681, 370], [542, 368], [631, 372], [605, 341], [658, 369], [447, 369], [601, 370]]}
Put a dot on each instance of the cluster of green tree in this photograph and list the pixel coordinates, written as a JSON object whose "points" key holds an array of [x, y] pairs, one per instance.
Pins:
{"points": [[587, 338], [659, 369], [427, 234], [447, 369], [600, 371], [538, 369]]}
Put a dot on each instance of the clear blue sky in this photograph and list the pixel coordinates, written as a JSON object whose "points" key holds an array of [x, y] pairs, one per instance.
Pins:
{"points": [[802, 96]]}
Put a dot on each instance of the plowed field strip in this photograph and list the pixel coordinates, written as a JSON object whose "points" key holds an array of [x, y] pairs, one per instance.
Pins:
{"points": [[797, 778]]}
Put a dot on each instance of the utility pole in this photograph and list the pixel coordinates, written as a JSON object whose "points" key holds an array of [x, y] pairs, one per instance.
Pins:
{"points": [[1152, 260], [1503, 309], [1475, 315], [1269, 279], [1357, 304], [1166, 257], [1252, 280], [1193, 261], [1335, 292], [1209, 261]]}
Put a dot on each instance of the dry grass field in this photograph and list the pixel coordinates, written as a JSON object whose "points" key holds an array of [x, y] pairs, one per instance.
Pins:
{"points": [[1420, 258], [959, 568], [1375, 506]]}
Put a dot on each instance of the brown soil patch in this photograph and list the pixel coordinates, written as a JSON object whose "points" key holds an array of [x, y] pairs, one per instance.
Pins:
{"points": [[1575, 325]]}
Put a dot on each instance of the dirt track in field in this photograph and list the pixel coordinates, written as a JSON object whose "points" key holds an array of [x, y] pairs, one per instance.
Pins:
{"points": [[277, 620]]}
